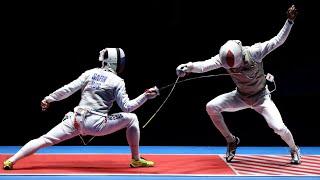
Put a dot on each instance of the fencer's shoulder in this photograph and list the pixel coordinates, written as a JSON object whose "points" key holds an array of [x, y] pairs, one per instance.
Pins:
{"points": [[254, 46], [90, 71], [114, 77], [86, 73], [118, 82], [255, 51]]}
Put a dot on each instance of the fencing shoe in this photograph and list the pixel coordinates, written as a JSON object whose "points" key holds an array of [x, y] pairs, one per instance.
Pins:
{"points": [[141, 163], [295, 156], [7, 165], [231, 149]]}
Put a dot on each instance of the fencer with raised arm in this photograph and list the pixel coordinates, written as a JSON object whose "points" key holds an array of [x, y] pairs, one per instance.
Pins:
{"points": [[245, 66]]}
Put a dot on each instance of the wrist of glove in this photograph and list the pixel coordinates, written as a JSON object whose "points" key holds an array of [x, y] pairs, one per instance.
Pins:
{"points": [[152, 92], [44, 105], [183, 69], [292, 13]]}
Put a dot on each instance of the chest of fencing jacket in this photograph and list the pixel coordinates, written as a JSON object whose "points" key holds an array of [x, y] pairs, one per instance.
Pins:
{"points": [[249, 77]]}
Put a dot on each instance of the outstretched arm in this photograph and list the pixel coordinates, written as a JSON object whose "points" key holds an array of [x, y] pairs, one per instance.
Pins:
{"points": [[260, 50], [64, 92], [199, 66], [128, 105]]}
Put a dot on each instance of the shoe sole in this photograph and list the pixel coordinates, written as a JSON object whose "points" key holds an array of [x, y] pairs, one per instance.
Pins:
{"points": [[295, 162], [7, 168], [139, 166]]}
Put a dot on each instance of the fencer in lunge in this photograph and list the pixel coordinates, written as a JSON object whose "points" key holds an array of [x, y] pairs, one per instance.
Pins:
{"points": [[100, 87], [245, 66]]}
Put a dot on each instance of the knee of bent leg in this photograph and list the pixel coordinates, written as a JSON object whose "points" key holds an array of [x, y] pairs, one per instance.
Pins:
{"points": [[281, 130], [212, 108], [133, 119]]}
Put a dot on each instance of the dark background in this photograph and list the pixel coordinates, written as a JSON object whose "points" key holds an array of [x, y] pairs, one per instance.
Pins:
{"points": [[48, 44]]}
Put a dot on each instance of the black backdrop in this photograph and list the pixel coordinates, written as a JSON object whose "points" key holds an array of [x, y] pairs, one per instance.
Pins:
{"points": [[46, 45]]}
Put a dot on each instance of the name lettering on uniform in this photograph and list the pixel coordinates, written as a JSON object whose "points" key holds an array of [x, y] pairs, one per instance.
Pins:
{"points": [[98, 77]]}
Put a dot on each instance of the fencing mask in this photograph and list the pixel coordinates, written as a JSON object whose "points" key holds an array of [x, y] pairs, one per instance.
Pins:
{"points": [[113, 59], [231, 54]]}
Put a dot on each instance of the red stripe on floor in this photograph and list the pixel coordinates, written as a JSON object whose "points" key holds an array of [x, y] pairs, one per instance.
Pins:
{"points": [[276, 165], [118, 164]]}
